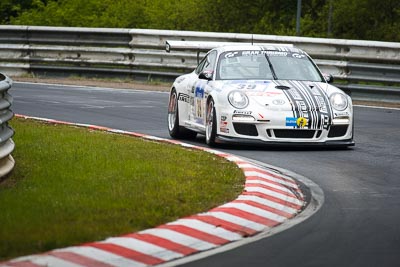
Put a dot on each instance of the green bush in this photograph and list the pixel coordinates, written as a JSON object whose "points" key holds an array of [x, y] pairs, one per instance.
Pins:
{"points": [[350, 19]]}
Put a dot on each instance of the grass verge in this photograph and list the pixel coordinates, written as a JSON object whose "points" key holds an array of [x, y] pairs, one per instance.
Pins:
{"points": [[71, 185]]}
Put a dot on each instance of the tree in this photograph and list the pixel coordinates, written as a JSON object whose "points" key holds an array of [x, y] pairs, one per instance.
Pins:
{"points": [[351, 19], [367, 20], [88, 13], [11, 8]]}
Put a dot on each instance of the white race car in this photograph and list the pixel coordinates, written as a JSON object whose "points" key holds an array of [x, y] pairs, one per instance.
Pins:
{"points": [[270, 93]]}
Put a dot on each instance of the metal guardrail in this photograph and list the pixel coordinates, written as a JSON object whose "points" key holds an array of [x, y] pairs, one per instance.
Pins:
{"points": [[367, 69], [6, 132]]}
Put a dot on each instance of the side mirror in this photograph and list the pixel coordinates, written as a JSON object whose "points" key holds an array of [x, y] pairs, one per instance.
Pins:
{"points": [[206, 75], [328, 78]]}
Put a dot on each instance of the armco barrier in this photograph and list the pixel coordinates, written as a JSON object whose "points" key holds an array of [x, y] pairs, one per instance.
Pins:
{"points": [[6, 143], [359, 67]]}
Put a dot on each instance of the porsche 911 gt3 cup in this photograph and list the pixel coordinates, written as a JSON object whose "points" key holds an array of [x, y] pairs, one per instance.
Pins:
{"points": [[270, 93]]}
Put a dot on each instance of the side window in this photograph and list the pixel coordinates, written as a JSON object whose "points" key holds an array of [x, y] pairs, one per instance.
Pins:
{"points": [[207, 63], [201, 65], [210, 61]]}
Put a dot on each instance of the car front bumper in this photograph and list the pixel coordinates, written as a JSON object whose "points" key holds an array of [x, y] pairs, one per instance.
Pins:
{"points": [[247, 141]]}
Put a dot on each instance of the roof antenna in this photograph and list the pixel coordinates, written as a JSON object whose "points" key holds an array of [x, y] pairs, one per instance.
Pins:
{"points": [[252, 39]]}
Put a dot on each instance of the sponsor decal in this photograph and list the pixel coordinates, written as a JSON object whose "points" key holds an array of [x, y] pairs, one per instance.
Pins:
{"points": [[224, 124], [341, 114], [291, 121], [301, 122], [242, 112], [276, 53], [199, 92], [296, 122], [224, 130], [269, 94], [264, 52], [184, 97], [296, 55], [231, 54], [278, 102], [199, 100]]}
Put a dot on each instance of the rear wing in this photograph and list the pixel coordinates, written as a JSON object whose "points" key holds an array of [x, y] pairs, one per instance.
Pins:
{"points": [[205, 46]]}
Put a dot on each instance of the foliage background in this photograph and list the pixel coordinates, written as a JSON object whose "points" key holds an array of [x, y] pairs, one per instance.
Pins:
{"points": [[350, 19]]}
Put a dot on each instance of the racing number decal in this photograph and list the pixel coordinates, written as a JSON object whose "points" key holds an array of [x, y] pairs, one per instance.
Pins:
{"points": [[199, 101], [243, 86]]}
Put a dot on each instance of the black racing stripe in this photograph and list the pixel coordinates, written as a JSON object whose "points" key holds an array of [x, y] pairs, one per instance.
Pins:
{"points": [[326, 109], [313, 104], [290, 97], [303, 102], [322, 104], [306, 102]]}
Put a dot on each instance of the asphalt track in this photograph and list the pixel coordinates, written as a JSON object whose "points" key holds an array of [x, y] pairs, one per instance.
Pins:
{"points": [[359, 223]]}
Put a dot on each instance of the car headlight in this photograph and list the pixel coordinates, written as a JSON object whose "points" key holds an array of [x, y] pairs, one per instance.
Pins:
{"points": [[238, 99], [339, 101]]}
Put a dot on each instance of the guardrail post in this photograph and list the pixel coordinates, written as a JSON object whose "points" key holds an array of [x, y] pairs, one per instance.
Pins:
{"points": [[6, 143]]}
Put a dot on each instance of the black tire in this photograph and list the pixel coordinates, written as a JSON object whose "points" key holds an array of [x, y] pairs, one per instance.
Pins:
{"points": [[176, 131], [211, 124]]}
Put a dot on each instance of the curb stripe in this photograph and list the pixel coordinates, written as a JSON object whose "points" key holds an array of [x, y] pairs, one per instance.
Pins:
{"points": [[254, 192], [78, 259], [162, 242], [224, 215], [144, 248], [24, 263], [267, 203], [137, 257], [256, 211], [195, 233], [270, 174], [264, 185], [266, 208], [47, 260], [180, 238], [103, 256], [271, 194], [208, 228], [269, 178], [247, 215], [242, 230], [262, 180]]}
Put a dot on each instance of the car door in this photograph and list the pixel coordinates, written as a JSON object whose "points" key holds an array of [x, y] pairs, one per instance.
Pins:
{"points": [[198, 90]]}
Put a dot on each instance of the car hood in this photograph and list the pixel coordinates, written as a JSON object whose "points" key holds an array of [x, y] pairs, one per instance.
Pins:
{"points": [[284, 94]]}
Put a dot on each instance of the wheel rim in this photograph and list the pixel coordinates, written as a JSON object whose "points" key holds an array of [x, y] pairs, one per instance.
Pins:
{"points": [[172, 111], [209, 120]]}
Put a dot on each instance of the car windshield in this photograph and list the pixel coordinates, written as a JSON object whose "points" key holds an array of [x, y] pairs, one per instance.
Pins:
{"points": [[266, 65]]}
